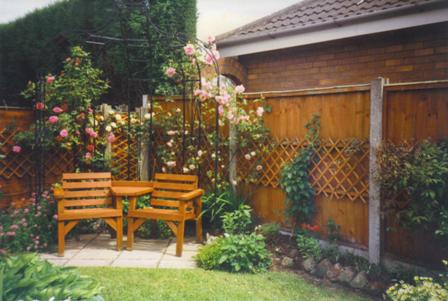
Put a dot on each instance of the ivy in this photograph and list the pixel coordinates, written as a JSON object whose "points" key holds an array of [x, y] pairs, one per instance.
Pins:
{"points": [[295, 178]]}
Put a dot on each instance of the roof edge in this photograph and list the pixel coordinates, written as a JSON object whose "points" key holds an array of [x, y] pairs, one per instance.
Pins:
{"points": [[434, 4]]}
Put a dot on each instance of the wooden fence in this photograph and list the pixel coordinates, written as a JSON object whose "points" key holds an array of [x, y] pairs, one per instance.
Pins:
{"points": [[340, 171]]}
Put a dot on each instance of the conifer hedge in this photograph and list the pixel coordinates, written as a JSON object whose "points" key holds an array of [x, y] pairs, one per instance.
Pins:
{"points": [[37, 43]]}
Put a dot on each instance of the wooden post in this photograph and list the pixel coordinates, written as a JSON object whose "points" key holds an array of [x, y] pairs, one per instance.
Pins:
{"points": [[144, 156], [376, 137], [232, 156]]}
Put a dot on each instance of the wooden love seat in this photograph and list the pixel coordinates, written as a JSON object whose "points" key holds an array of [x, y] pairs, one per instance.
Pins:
{"points": [[175, 199], [87, 196]]}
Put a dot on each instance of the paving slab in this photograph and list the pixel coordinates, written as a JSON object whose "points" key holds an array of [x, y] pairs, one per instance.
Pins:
{"points": [[94, 250]]}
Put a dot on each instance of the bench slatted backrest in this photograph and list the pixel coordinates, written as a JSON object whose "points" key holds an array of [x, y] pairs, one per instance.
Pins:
{"points": [[168, 188], [87, 189]]}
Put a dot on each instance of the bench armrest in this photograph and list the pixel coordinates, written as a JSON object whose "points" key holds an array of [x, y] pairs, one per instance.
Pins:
{"points": [[58, 194], [191, 195]]}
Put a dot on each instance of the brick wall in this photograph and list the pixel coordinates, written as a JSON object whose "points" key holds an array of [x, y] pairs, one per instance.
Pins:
{"points": [[405, 55]]}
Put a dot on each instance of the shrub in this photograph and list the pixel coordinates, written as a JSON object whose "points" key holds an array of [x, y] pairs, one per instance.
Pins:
{"points": [[238, 221], [425, 289], [218, 204], [31, 228], [269, 231], [418, 175], [235, 253], [309, 247], [27, 277]]}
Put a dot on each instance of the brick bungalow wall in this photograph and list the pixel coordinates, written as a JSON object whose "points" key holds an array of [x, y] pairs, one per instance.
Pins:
{"points": [[405, 55]]}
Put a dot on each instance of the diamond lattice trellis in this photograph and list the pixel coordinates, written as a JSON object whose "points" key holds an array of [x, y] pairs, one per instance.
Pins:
{"points": [[339, 167]]}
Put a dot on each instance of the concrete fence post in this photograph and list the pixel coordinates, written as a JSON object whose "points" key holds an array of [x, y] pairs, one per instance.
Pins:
{"points": [[376, 137]]}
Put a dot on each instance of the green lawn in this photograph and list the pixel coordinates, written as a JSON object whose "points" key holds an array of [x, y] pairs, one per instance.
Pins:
{"points": [[121, 284]]}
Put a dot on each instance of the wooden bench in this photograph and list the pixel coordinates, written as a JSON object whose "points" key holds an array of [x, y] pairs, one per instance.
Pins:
{"points": [[87, 196], [175, 199]]}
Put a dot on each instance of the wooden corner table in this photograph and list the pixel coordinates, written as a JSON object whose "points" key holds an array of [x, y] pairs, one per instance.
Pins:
{"points": [[130, 190]]}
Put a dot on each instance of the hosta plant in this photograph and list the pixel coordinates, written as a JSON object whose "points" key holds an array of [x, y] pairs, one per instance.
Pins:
{"points": [[27, 277]]}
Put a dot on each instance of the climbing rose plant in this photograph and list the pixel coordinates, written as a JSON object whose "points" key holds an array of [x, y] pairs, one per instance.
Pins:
{"points": [[234, 110], [69, 121]]}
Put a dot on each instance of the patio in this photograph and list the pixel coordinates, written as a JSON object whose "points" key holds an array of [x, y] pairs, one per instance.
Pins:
{"points": [[98, 250]]}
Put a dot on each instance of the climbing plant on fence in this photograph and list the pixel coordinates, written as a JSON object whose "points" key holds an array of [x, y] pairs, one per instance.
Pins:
{"points": [[414, 181], [296, 180]]}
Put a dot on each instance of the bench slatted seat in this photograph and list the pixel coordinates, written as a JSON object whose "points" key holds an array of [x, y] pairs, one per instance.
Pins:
{"points": [[87, 196], [175, 199]]}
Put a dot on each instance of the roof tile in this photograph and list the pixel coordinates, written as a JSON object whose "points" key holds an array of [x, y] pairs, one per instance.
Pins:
{"points": [[309, 13]]}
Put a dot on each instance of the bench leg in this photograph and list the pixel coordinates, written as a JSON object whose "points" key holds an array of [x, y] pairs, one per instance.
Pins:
{"points": [[61, 238], [119, 233], [180, 238], [199, 222], [130, 242]]}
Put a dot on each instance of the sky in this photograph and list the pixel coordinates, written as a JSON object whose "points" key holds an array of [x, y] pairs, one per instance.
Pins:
{"points": [[215, 16]]}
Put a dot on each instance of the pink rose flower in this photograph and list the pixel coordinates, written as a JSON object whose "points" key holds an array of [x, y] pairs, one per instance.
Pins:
{"points": [[63, 133], [221, 110], [91, 132], [50, 79], [260, 111], [16, 149], [88, 156], [189, 49], [57, 110], [90, 110], [111, 138], [170, 72], [40, 106], [240, 89], [53, 119]]}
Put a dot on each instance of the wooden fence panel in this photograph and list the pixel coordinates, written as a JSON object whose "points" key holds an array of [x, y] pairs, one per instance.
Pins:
{"points": [[415, 113], [340, 170]]}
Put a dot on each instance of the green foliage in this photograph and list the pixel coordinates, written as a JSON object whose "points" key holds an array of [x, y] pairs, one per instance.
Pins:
{"points": [[309, 247], [73, 94], [39, 41], [217, 205], [295, 179], [27, 277], [420, 176], [31, 228], [334, 230], [422, 289], [235, 253], [238, 221], [269, 231], [425, 289]]}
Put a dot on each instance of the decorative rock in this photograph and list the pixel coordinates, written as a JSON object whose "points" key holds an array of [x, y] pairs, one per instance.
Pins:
{"points": [[333, 273], [293, 253], [323, 267], [377, 287], [346, 275], [309, 265], [360, 280], [287, 262]]}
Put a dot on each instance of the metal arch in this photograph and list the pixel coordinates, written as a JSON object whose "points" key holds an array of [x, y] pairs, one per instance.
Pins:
{"points": [[123, 9]]}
